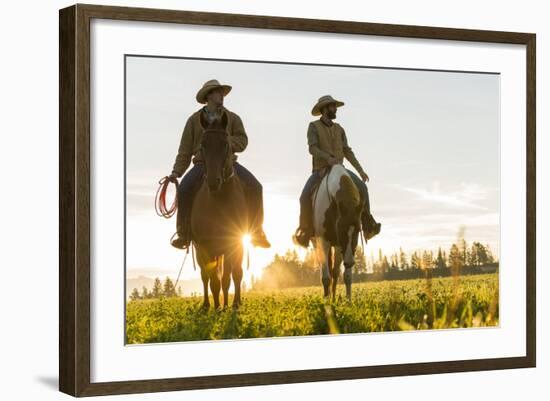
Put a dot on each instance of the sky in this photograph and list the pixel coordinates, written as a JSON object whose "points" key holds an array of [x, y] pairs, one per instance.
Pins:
{"points": [[429, 141]]}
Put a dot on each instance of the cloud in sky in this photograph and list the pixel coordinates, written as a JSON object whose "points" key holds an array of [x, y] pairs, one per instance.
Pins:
{"points": [[465, 196]]}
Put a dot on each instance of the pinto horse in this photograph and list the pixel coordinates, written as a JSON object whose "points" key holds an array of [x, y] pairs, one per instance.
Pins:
{"points": [[219, 216], [337, 207]]}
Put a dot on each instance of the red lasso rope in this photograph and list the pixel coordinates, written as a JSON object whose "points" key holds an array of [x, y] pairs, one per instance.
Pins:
{"points": [[160, 198]]}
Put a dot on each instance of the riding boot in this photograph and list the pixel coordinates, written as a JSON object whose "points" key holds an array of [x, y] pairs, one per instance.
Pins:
{"points": [[304, 232], [182, 238], [254, 198], [370, 226]]}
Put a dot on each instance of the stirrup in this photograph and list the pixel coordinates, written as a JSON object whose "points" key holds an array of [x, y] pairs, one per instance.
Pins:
{"points": [[180, 242]]}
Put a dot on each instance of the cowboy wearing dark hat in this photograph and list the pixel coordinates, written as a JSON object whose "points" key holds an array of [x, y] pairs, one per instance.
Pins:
{"points": [[328, 145], [211, 95]]}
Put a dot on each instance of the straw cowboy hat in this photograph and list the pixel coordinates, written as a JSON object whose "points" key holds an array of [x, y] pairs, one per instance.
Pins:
{"points": [[323, 101], [208, 86]]}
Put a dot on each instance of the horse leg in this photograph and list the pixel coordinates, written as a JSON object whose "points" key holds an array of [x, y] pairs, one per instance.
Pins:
{"points": [[205, 278], [237, 273], [336, 261], [323, 250], [215, 283], [202, 260], [226, 281], [347, 281]]}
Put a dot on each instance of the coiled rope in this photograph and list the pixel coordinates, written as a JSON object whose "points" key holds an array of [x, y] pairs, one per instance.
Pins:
{"points": [[160, 197]]}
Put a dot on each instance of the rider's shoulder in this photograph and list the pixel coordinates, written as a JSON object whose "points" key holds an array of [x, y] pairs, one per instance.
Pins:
{"points": [[231, 114], [196, 114], [315, 122]]}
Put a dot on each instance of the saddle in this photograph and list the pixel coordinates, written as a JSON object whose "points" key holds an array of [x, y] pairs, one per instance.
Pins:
{"points": [[315, 188]]}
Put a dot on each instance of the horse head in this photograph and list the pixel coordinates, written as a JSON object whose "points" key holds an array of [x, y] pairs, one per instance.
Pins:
{"points": [[348, 218], [216, 152]]}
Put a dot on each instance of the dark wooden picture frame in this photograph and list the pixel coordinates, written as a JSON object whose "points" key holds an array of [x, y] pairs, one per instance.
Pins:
{"points": [[74, 199]]}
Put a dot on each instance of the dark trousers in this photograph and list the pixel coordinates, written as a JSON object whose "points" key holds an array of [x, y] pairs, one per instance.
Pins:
{"points": [[191, 182], [306, 205]]}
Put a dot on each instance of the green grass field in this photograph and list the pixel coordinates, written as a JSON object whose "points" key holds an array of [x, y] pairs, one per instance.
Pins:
{"points": [[472, 301]]}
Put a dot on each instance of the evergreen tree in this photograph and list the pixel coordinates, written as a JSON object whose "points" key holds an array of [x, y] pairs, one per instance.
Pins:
{"points": [[157, 289], [415, 261], [481, 256], [454, 255], [394, 263], [440, 262], [145, 293], [403, 264], [464, 253], [169, 289], [385, 266], [135, 295], [427, 260], [360, 261]]}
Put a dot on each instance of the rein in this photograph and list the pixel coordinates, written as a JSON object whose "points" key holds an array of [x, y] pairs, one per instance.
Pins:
{"points": [[330, 197], [183, 263], [224, 178]]}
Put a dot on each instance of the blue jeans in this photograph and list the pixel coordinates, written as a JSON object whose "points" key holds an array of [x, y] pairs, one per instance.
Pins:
{"points": [[191, 182], [306, 206]]}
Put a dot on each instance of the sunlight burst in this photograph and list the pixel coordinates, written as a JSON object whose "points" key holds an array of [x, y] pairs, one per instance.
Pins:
{"points": [[246, 241]]}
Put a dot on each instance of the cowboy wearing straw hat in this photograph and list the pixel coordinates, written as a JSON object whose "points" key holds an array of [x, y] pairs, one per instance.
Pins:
{"points": [[328, 145], [211, 95]]}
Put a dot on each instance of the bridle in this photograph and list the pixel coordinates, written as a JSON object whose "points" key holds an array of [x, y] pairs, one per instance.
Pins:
{"points": [[225, 177]]}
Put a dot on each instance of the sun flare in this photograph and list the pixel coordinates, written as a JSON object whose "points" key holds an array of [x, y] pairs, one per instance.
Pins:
{"points": [[246, 241]]}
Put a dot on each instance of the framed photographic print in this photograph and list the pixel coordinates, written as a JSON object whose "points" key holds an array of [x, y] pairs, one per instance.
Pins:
{"points": [[249, 200]]}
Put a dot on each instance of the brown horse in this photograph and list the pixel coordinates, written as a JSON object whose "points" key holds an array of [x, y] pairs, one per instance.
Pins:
{"points": [[219, 216]]}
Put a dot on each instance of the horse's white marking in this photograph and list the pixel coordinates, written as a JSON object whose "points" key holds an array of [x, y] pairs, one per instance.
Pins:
{"points": [[322, 199], [329, 185], [323, 248], [348, 255]]}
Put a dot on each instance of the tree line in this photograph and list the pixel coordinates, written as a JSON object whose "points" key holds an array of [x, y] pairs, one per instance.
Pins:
{"points": [[159, 290], [289, 270]]}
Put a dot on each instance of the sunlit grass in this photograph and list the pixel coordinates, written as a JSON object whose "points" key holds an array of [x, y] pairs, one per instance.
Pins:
{"points": [[375, 307]]}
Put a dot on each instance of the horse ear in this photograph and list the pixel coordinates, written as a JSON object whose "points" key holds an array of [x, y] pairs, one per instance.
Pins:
{"points": [[204, 123], [224, 120]]}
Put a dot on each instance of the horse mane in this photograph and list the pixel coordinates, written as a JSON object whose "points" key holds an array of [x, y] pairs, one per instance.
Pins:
{"points": [[216, 125]]}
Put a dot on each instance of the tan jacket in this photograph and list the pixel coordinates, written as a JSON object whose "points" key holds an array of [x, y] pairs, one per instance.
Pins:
{"points": [[325, 141], [189, 148]]}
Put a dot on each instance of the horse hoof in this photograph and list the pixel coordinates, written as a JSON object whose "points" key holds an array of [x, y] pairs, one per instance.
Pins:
{"points": [[205, 307]]}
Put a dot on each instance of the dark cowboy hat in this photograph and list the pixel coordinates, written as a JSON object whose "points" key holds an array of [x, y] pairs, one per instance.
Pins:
{"points": [[208, 86], [323, 101]]}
